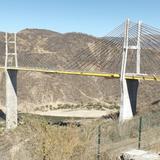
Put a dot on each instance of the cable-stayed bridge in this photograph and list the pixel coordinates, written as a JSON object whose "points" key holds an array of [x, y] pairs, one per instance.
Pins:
{"points": [[131, 52], [101, 58]]}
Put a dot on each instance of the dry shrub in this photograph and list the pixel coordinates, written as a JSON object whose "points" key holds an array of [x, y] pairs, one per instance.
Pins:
{"points": [[40, 141], [69, 143]]}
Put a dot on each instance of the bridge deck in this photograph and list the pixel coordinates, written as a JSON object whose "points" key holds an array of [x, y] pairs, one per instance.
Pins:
{"points": [[106, 75]]}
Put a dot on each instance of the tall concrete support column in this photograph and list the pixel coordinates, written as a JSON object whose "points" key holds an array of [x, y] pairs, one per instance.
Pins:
{"points": [[11, 99], [138, 66], [128, 99], [129, 88], [11, 80], [125, 104]]}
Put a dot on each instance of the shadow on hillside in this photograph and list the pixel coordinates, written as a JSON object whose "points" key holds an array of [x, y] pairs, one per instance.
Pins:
{"points": [[2, 115]]}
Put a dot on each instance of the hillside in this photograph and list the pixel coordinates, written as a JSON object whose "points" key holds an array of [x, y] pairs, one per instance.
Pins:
{"points": [[37, 90]]}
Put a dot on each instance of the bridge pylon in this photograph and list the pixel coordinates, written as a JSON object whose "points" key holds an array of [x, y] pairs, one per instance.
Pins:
{"points": [[11, 80], [129, 88]]}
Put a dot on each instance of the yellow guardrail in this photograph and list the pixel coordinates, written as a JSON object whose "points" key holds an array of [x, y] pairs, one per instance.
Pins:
{"points": [[107, 75]]}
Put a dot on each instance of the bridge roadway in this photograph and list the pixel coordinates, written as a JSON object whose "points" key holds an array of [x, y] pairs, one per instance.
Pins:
{"points": [[132, 76]]}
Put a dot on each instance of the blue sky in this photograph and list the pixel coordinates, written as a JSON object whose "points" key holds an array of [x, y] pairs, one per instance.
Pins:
{"points": [[95, 17]]}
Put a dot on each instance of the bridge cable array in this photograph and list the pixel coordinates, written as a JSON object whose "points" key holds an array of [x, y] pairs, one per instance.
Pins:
{"points": [[102, 55]]}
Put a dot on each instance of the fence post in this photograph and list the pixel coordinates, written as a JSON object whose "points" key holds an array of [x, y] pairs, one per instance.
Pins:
{"points": [[139, 133], [44, 143], [98, 143]]}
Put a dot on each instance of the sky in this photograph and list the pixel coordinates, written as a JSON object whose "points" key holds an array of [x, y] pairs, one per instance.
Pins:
{"points": [[94, 17]]}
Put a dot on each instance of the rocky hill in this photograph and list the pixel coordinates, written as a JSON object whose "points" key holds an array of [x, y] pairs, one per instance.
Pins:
{"points": [[38, 90]]}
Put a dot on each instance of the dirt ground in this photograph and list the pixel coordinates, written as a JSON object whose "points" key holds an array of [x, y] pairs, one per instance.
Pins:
{"points": [[65, 138]]}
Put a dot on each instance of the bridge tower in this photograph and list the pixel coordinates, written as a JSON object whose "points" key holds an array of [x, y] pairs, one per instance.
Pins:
{"points": [[11, 80], [129, 88]]}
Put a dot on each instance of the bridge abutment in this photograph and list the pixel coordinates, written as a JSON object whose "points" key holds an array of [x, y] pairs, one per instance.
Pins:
{"points": [[129, 90], [11, 98]]}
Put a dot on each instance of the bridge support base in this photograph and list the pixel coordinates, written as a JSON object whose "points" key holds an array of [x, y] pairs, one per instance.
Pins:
{"points": [[129, 89], [11, 99]]}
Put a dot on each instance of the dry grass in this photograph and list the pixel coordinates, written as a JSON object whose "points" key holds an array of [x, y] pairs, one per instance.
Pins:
{"points": [[37, 140]]}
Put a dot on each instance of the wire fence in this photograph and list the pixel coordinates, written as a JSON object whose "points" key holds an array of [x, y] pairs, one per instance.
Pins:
{"points": [[139, 133], [91, 140], [102, 140]]}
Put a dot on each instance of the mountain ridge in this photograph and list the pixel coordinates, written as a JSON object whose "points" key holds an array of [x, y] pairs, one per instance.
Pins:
{"points": [[37, 89]]}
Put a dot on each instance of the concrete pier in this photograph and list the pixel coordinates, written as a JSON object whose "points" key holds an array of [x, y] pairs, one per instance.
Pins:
{"points": [[11, 99], [129, 89]]}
